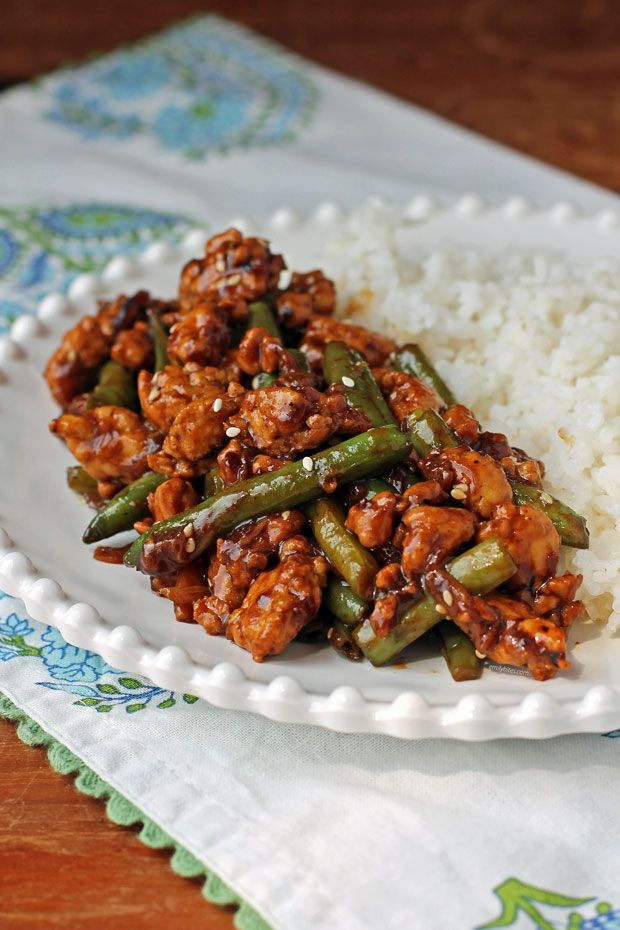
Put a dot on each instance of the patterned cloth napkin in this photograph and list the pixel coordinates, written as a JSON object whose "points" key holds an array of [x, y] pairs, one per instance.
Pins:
{"points": [[314, 830]]}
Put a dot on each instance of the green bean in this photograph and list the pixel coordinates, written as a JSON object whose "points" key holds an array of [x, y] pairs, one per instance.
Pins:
{"points": [[339, 637], [459, 652], [342, 365], [84, 485], [480, 569], [115, 388], [571, 526], [165, 546], [213, 482], [412, 359], [344, 603], [121, 512], [428, 431], [343, 551], [300, 359], [260, 314], [159, 337]]}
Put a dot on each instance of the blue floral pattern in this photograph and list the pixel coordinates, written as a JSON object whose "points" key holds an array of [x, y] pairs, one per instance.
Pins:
{"points": [[42, 250], [200, 88], [76, 671]]}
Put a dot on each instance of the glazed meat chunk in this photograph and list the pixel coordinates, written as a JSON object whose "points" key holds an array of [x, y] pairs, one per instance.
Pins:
{"points": [[109, 442], [432, 534], [323, 329], [280, 602], [232, 267], [172, 497], [404, 393], [470, 477], [238, 560], [72, 367], [372, 520], [531, 539], [306, 294], [133, 347], [283, 420], [201, 336], [199, 427], [166, 393]]}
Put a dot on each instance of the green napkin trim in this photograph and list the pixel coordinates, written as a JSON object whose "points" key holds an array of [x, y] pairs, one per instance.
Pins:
{"points": [[122, 812]]}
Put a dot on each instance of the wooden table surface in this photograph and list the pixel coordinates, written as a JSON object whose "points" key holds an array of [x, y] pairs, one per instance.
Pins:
{"points": [[538, 75]]}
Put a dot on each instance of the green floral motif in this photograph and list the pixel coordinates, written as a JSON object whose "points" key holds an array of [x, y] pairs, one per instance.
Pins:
{"points": [[43, 249], [522, 902], [75, 671]]}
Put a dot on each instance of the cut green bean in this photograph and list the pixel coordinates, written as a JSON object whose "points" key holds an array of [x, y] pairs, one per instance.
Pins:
{"points": [[343, 550], [480, 569], [428, 432], [344, 603], [159, 337], [342, 365], [165, 546], [82, 484], [571, 526], [121, 512], [260, 314], [459, 652], [115, 388], [213, 482], [412, 359], [340, 638]]}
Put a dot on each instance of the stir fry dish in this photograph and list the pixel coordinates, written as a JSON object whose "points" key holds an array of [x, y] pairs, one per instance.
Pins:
{"points": [[293, 476]]}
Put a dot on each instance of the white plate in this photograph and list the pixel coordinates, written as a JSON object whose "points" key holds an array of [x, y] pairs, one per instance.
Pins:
{"points": [[112, 611]]}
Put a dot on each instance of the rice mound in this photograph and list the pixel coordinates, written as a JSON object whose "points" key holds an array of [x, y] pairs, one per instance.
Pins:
{"points": [[530, 343]]}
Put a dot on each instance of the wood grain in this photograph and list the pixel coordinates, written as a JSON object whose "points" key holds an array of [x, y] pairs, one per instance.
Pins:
{"points": [[538, 75]]}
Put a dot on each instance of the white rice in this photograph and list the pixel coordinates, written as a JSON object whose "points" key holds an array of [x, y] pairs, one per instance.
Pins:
{"points": [[530, 343]]}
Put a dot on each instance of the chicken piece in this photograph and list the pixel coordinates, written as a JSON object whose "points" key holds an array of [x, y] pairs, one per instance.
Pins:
{"points": [[201, 336], [404, 393], [531, 539], [461, 421], [432, 534], [393, 592], [516, 463], [188, 586], [283, 420], [280, 602], [260, 351], [263, 464], [470, 477], [372, 520], [506, 630], [124, 312], [166, 464], [166, 393], [555, 598], [232, 267], [133, 347], [72, 368], [199, 428], [424, 492], [306, 294], [238, 559], [234, 462], [323, 329], [172, 497], [109, 442]]}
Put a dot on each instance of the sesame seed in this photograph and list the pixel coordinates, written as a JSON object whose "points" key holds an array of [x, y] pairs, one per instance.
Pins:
{"points": [[256, 382], [458, 493], [285, 514], [188, 529], [234, 279], [546, 498], [348, 382], [217, 405], [480, 655], [440, 609], [153, 395], [232, 431], [220, 264], [190, 545], [447, 596], [307, 463]]}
